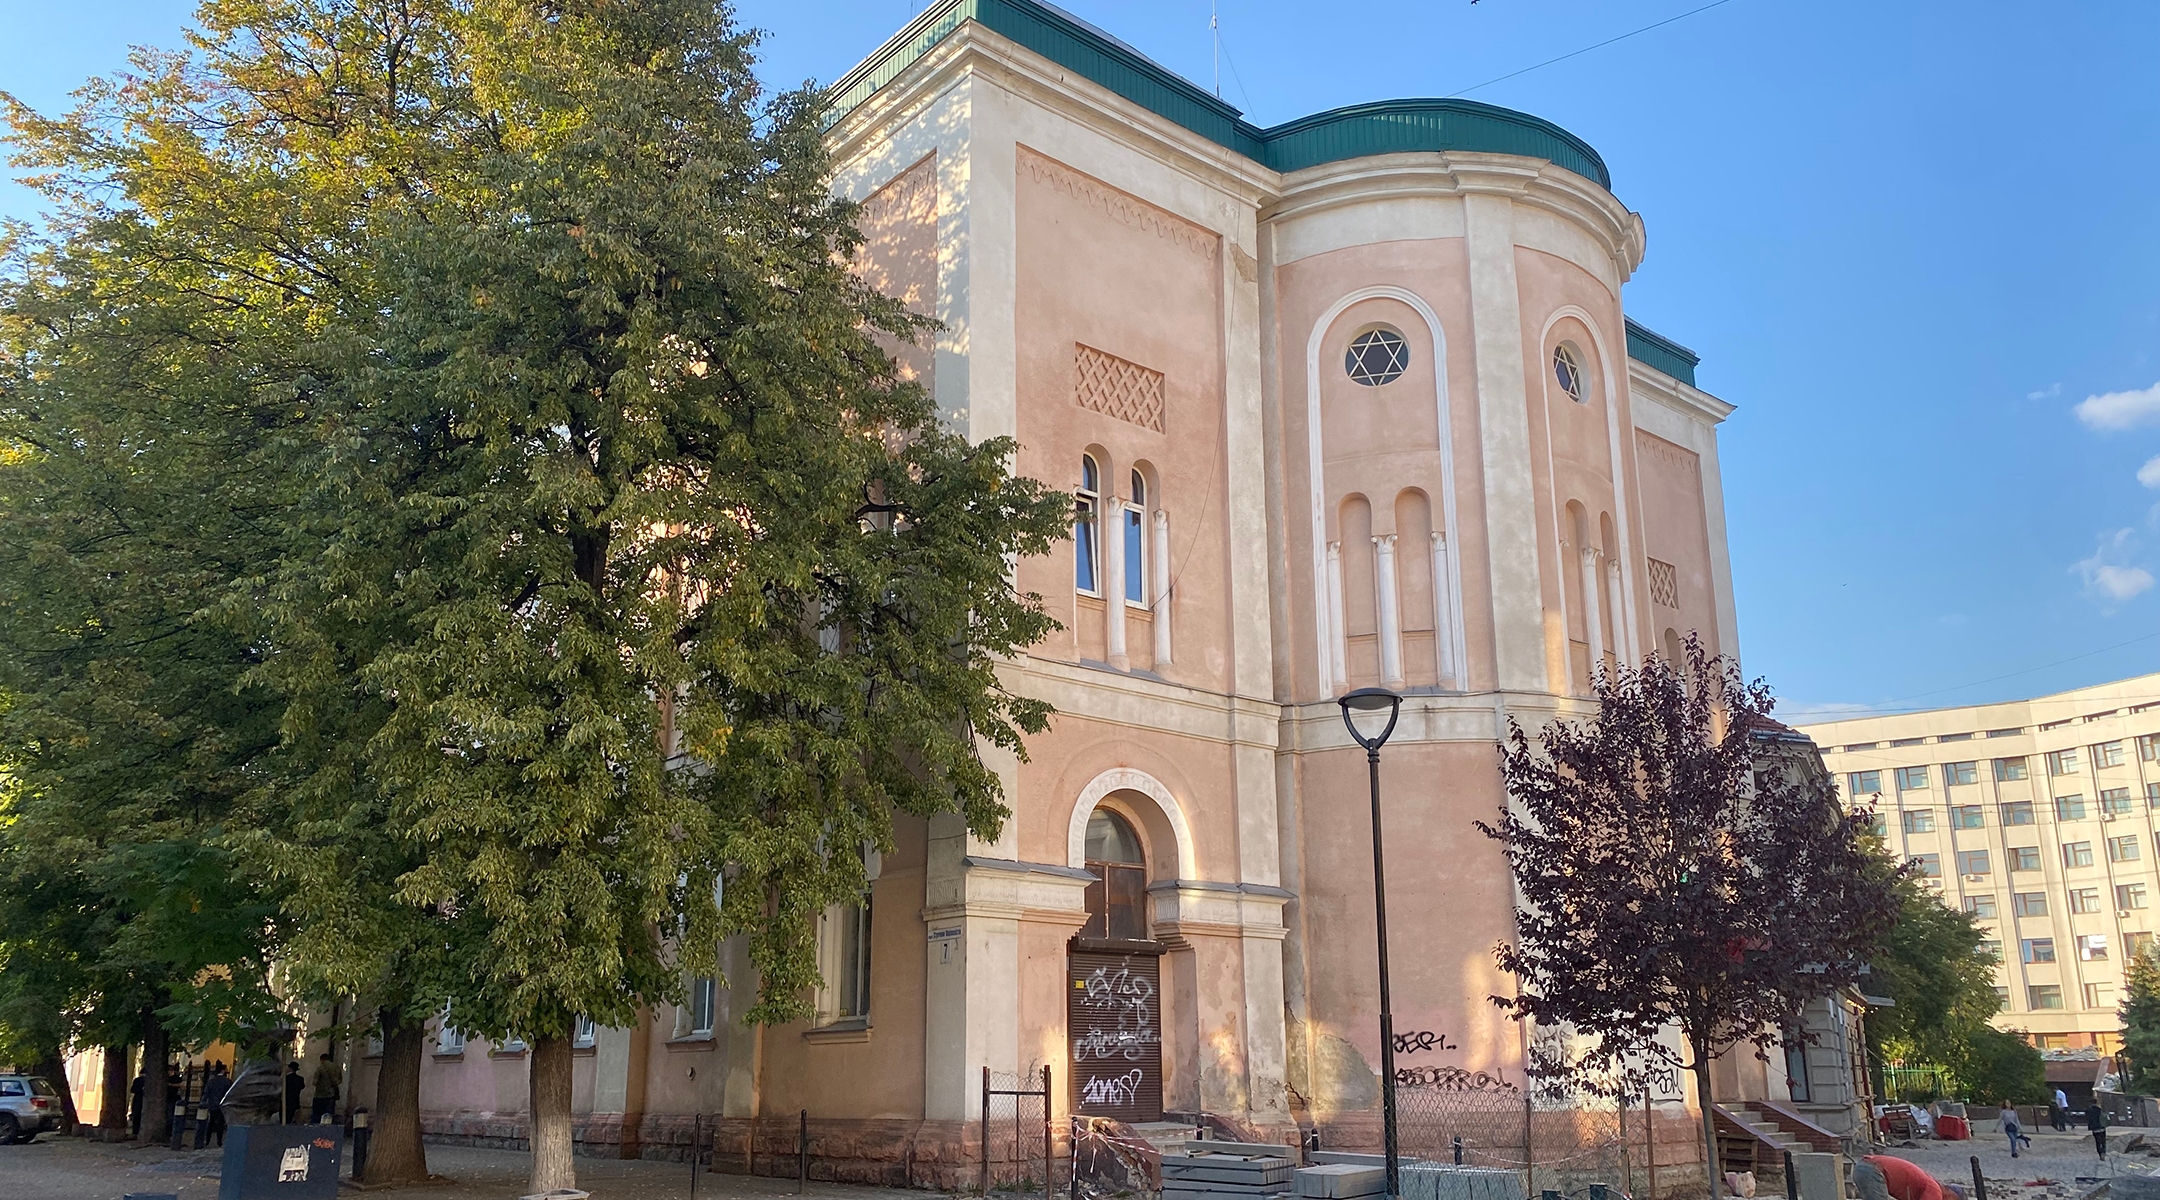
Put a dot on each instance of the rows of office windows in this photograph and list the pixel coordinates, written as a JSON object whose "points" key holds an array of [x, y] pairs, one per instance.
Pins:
{"points": [[2050, 995], [2057, 763], [2129, 898], [2111, 802]]}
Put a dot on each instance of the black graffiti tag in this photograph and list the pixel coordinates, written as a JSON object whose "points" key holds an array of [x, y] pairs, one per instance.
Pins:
{"points": [[1418, 1041]]}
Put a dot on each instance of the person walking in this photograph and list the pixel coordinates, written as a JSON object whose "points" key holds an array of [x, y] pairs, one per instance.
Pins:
{"points": [[2096, 1120], [142, 1082], [327, 1079], [2013, 1129], [215, 1085], [294, 1085], [2058, 1111]]}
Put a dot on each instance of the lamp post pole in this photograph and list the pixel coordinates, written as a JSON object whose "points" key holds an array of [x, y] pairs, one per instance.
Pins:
{"points": [[1372, 700]]}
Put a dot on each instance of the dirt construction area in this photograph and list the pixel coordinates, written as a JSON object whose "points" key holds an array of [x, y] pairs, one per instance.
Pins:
{"points": [[53, 1168], [2055, 1165]]}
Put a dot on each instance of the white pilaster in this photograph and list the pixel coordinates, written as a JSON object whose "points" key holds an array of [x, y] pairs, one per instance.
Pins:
{"points": [[1338, 652], [1593, 608], [1623, 624], [1389, 610], [1518, 603], [1443, 577], [1161, 599], [1113, 530]]}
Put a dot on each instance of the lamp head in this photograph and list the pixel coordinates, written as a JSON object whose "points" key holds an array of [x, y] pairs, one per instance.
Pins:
{"points": [[1361, 714]]}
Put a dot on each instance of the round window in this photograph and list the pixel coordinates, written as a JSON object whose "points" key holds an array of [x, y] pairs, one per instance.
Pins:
{"points": [[1377, 356], [1568, 371]]}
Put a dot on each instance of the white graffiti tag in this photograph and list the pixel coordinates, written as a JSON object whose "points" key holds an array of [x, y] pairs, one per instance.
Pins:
{"points": [[1119, 1089], [1126, 1029]]}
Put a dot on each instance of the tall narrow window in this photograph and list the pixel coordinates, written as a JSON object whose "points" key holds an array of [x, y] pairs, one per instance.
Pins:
{"points": [[1117, 900], [696, 1016], [844, 951], [1136, 543], [1087, 503]]}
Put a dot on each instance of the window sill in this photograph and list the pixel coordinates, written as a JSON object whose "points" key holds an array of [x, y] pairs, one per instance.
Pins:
{"points": [[447, 1055], [493, 1053], [584, 1050], [850, 1029], [692, 1042]]}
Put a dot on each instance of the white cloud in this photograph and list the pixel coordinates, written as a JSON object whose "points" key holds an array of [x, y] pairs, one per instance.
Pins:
{"points": [[2149, 474], [2115, 582], [2120, 410], [2050, 392]]}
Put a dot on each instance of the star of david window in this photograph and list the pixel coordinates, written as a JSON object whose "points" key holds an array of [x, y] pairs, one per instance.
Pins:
{"points": [[1377, 356], [1568, 371]]}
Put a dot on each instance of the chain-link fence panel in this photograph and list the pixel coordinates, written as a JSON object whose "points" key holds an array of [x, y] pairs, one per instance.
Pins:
{"points": [[1555, 1145], [1015, 1132]]}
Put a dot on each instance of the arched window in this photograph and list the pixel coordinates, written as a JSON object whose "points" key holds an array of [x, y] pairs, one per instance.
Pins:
{"points": [[1567, 370], [1087, 502], [1136, 543], [1117, 899]]}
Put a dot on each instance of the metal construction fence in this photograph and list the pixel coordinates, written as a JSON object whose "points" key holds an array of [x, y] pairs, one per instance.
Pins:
{"points": [[1017, 1148], [1564, 1147]]}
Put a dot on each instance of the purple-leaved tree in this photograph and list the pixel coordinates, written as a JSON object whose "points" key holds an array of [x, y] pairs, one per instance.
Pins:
{"points": [[1674, 874]]}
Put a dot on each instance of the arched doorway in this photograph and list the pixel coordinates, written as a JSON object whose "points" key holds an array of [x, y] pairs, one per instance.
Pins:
{"points": [[1114, 1007]]}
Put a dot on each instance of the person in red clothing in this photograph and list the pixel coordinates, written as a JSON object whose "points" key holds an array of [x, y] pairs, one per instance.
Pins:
{"points": [[1907, 1181]]}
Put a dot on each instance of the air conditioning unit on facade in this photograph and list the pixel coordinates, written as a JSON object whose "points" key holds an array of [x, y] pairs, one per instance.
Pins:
{"points": [[1976, 879]]}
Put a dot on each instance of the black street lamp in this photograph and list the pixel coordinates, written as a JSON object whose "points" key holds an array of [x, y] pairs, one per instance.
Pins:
{"points": [[1367, 704]]}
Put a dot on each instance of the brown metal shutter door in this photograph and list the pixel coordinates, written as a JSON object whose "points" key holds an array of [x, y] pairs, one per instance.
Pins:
{"points": [[1114, 1017]]}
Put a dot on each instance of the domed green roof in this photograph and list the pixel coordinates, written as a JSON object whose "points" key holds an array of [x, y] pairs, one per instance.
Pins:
{"points": [[1385, 127]]}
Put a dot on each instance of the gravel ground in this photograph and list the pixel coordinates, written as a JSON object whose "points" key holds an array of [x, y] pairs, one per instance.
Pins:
{"points": [[53, 1168]]}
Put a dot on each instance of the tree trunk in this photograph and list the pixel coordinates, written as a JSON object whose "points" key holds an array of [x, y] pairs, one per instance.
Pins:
{"points": [[113, 1091], [549, 1112], [54, 1068], [397, 1155], [1712, 1172], [157, 1093]]}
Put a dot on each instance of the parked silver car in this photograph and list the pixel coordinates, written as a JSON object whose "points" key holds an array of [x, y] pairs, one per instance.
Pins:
{"points": [[28, 1107]]}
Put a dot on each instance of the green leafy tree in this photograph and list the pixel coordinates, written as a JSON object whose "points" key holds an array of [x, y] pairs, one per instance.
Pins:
{"points": [[2141, 1021], [1997, 1066], [657, 571], [129, 731], [1940, 981]]}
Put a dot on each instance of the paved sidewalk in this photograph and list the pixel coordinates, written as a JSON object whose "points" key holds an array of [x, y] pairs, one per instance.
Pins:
{"points": [[54, 1168]]}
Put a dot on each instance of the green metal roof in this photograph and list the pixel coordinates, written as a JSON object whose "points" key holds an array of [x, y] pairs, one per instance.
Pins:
{"points": [[1664, 354], [1387, 127]]}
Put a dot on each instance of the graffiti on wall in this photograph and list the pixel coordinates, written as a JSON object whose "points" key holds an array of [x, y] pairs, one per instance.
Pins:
{"points": [[1113, 1090], [1123, 1004]]}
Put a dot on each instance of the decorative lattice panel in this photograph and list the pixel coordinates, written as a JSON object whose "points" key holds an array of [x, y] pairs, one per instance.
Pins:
{"points": [[1664, 583], [1109, 385]]}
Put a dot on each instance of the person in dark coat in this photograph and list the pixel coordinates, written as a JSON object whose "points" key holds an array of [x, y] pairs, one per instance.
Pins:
{"points": [[2096, 1120], [214, 1087], [142, 1082], [294, 1085]]}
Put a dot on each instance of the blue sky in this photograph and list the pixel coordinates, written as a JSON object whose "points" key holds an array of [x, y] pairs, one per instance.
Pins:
{"points": [[1917, 244]]}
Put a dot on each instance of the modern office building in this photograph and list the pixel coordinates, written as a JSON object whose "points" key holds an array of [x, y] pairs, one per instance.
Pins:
{"points": [[2038, 817]]}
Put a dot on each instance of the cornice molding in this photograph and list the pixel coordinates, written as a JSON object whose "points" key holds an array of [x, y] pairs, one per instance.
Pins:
{"points": [[1455, 173], [1685, 399]]}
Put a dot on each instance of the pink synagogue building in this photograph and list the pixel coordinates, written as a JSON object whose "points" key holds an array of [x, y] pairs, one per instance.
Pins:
{"points": [[1349, 401]]}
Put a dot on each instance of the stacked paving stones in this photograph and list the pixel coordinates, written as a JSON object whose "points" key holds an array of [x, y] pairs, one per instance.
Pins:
{"points": [[1443, 1181], [1342, 1181], [1346, 1176], [1211, 1170]]}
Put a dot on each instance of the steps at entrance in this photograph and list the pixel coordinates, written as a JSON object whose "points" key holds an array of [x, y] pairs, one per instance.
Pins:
{"points": [[1164, 1136]]}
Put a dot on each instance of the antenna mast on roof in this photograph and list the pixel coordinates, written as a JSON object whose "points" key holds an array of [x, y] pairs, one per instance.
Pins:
{"points": [[1214, 24]]}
